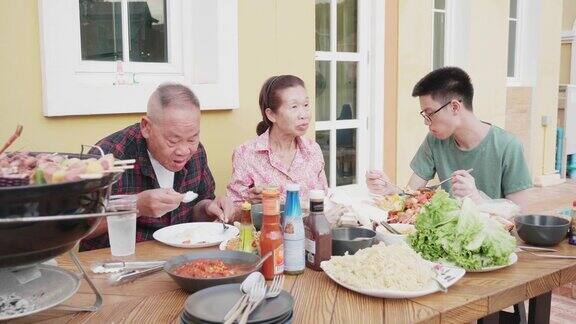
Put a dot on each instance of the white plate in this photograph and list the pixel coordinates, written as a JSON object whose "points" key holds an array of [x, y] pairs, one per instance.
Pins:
{"points": [[201, 234], [511, 260], [430, 288]]}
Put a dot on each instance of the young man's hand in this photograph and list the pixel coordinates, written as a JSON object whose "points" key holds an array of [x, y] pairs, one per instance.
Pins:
{"points": [[379, 183], [464, 185]]}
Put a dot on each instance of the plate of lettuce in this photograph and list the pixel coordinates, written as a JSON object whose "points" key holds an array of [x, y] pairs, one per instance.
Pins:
{"points": [[455, 232]]}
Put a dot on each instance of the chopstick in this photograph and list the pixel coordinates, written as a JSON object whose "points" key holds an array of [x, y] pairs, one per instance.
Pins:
{"points": [[447, 179], [534, 248], [118, 169]]}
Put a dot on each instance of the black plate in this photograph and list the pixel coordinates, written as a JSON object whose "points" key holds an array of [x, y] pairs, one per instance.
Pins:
{"points": [[211, 304], [185, 318]]}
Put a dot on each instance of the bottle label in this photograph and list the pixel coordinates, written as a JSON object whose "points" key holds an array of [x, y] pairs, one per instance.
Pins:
{"points": [[278, 256], [294, 244], [310, 246], [293, 229], [294, 255]]}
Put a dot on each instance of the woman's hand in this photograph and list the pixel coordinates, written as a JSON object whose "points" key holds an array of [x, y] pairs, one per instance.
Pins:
{"points": [[255, 195]]}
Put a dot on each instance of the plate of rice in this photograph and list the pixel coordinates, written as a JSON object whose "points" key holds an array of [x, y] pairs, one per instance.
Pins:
{"points": [[394, 271]]}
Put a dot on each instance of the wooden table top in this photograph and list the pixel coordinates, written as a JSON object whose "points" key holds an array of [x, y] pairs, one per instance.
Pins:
{"points": [[157, 299]]}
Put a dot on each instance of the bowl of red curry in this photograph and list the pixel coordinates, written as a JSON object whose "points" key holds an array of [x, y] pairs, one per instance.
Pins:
{"points": [[198, 270]]}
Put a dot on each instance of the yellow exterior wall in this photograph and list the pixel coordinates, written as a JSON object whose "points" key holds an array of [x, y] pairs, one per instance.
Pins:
{"points": [[488, 43], [414, 61], [274, 37], [545, 95], [565, 57], [568, 20], [568, 14]]}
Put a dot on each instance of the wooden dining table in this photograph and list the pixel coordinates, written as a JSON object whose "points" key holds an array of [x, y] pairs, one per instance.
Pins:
{"points": [[157, 299]]}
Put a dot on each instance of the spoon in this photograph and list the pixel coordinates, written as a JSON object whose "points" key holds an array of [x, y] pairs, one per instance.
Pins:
{"points": [[245, 288], [390, 228], [256, 266], [361, 238], [189, 196]]}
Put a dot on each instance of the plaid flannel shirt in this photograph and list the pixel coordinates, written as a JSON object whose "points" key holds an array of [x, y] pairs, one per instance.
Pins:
{"points": [[195, 176]]}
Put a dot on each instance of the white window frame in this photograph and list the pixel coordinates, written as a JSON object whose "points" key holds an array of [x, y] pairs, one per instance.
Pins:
{"points": [[569, 37], [202, 46], [370, 82], [449, 34], [517, 79]]}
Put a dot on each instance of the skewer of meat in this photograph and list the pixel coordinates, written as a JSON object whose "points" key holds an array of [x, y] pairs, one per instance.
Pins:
{"points": [[12, 138]]}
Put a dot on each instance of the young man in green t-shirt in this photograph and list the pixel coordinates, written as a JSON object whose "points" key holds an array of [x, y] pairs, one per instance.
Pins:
{"points": [[459, 141]]}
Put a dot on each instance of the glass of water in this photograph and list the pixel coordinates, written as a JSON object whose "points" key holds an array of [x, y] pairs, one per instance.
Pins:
{"points": [[122, 229]]}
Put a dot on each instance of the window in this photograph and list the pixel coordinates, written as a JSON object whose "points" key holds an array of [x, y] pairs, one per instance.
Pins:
{"points": [[101, 31], [107, 56], [513, 32], [343, 104], [439, 36]]}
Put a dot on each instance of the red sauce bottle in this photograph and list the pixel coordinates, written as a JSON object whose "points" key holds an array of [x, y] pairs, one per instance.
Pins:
{"points": [[271, 237]]}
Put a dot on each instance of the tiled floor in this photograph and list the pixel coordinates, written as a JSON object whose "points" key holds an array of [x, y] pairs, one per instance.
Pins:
{"points": [[563, 306]]}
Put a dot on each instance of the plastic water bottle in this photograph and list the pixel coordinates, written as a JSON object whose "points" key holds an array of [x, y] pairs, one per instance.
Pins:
{"points": [[293, 229]]}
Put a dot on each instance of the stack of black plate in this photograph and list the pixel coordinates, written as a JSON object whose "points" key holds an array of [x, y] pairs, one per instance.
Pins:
{"points": [[211, 304]]}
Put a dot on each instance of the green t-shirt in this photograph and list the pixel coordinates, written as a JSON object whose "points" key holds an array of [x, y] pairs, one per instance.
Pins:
{"points": [[498, 162]]}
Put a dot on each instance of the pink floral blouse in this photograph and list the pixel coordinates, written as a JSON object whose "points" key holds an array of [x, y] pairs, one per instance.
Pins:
{"points": [[254, 164]]}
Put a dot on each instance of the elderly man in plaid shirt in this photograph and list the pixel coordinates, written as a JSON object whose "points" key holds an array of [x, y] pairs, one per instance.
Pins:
{"points": [[170, 160]]}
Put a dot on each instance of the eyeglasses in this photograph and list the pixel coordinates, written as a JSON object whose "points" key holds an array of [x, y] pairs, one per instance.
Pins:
{"points": [[428, 117]]}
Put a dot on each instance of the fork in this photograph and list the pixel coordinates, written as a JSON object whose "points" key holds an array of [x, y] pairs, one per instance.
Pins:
{"points": [[273, 291], [224, 226]]}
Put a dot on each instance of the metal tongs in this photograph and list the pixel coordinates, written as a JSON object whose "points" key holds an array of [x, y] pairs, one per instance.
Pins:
{"points": [[117, 266], [131, 275]]}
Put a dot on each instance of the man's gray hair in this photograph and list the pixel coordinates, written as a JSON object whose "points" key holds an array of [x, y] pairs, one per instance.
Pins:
{"points": [[172, 94]]}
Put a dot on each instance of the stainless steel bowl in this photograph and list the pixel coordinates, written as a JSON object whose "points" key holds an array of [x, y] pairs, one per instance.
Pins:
{"points": [[541, 230], [351, 239], [256, 213]]}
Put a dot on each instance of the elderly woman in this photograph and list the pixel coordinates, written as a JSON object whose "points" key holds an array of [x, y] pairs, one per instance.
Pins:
{"points": [[280, 154]]}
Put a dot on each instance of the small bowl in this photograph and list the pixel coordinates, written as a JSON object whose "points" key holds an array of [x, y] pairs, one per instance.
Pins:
{"points": [[257, 215], [192, 285], [347, 239], [541, 230], [390, 238]]}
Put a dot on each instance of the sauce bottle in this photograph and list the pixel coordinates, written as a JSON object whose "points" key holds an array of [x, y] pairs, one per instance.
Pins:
{"points": [[271, 238], [318, 243], [246, 229], [293, 226]]}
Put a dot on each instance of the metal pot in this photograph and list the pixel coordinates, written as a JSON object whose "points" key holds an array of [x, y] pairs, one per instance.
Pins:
{"points": [[39, 222]]}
